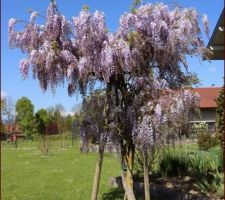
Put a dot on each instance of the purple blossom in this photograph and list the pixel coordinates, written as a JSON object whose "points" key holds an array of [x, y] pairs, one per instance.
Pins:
{"points": [[81, 66], [107, 64], [145, 133], [158, 111], [206, 24], [70, 71], [12, 23], [33, 17], [12, 35], [24, 68], [50, 59], [69, 57]]}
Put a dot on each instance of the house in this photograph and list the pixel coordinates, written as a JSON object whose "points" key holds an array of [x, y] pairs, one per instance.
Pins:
{"points": [[208, 96], [12, 132], [216, 42], [12, 127]]}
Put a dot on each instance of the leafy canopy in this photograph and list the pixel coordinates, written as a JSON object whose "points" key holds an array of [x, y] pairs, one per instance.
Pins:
{"points": [[25, 114]]}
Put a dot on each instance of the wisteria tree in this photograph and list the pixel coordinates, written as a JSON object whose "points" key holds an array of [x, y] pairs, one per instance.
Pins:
{"points": [[139, 65]]}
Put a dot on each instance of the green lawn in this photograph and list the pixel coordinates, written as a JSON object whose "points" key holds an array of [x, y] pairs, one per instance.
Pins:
{"points": [[65, 174]]}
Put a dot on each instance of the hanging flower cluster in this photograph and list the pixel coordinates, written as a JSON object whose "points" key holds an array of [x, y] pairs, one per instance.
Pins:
{"points": [[162, 116], [49, 47], [152, 36], [162, 35], [93, 127]]}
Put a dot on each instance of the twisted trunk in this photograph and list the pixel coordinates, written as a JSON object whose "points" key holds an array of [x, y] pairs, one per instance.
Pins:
{"points": [[127, 160], [127, 146]]}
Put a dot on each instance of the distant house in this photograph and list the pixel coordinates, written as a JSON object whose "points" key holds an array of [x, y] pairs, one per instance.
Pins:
{"points": [[207, 106], [12, 131], [12, 127]]}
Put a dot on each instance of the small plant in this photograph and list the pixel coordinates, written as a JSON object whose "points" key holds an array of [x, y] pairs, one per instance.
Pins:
{"points": [[199, 128], [45, 145], [218, 157], [207, 168], [215, 185], [153, 164], [220, 117], [220, 191], [207, 141], [174, 162]]}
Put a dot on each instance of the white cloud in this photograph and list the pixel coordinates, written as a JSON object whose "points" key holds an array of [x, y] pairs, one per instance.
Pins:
{"points": [[3, 94], [67, 113], [212, 69]]}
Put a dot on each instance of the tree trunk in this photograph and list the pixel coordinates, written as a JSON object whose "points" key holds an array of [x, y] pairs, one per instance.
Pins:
{"points": [[97, 172], [63, 139], [44, 140], [72, 140], [60, 145], [127, 160], [16, 143], [146, 176]]}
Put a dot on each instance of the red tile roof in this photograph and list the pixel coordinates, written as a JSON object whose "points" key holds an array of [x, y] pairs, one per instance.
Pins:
{"points": [[12, 127], [208, 96]]}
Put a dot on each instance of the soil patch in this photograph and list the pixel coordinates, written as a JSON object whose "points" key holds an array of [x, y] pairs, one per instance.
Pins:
{"points": [[179, 188]]}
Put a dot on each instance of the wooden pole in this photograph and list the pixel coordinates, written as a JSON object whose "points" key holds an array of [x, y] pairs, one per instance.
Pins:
{"points": [[97, 172]]}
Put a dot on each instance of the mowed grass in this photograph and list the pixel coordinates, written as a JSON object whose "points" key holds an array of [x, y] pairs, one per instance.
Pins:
{"points": [[65, 174]]}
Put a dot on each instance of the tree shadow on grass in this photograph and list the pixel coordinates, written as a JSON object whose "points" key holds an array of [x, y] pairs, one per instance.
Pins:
{"points": [[118, 194], [114, 194]]}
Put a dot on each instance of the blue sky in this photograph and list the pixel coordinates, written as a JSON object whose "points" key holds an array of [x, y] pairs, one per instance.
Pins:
{"points": [[12, 83]]}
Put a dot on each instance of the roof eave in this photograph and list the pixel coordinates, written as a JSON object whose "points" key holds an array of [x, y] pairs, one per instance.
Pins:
{"points": [[218, 34]]}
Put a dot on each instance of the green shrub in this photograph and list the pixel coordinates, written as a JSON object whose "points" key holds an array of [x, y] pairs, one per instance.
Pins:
{"points": [[206, 141], [152, 162], [217, 152], [199, 128], [220, 191], [220, 117], [173, 162], [206, 167], [201, 163], [214, 185]]}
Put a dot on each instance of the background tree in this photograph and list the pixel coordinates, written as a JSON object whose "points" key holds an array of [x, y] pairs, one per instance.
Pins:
{"points": [[52, 128], [25, 115], [77, 121], [59, 110], [68, 123], [220, 117], [2, 106], [42, 120], [8, 112], [76, 108]]}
